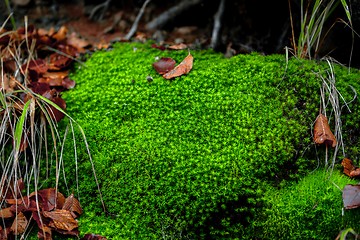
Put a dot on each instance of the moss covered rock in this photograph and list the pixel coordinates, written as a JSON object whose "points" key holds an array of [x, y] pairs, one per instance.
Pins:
{"points": [[193, 157]]}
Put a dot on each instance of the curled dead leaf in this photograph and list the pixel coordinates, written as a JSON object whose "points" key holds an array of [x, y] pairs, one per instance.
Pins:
{"points": [[350, 169], [183, 68], [322, 132]]}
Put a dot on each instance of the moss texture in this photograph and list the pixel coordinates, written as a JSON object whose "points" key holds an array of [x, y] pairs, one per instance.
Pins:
{"points": [[194, 157]]}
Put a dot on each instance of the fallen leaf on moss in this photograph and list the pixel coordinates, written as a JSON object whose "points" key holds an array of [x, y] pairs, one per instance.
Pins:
{"points": [[164, 65], [322, 132], [350, 169], [72, 204], [351, 196], [183, 68]]}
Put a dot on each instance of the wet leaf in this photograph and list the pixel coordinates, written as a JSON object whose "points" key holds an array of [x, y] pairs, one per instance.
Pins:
{"points": [[164, 65], [183, 68], [322, 132], [160, 47], [351, 196]]}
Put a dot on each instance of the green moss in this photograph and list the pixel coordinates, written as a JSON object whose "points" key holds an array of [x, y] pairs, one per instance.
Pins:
{"points": [[190, 157], [309, 209]]}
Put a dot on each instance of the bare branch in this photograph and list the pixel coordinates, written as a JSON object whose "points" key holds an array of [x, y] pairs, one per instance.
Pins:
{"points": [[217, 25], [136, 22], [163, 18]]}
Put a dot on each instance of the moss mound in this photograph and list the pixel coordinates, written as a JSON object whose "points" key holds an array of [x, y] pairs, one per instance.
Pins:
{"points": [[309, 209], [191, 157]]}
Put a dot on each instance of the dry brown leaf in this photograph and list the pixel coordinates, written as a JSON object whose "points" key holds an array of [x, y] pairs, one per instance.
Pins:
{"points": [[19, 224], [45, 233], [183, 68], [179, 46], [60, 34], [61, 219], [72, 204], [322, 132], [79, 43], [351, 196], [350, 169], [6, 213]]}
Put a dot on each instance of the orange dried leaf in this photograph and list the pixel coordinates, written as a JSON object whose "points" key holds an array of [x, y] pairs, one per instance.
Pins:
{"points": [[19, 225], [61, 219], [183, 68], [60, 34], [6, 213], [179, 46], [322, 132]]}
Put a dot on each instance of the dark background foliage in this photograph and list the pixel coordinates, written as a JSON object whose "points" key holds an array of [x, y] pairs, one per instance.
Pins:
{"points": [[248, 25]]}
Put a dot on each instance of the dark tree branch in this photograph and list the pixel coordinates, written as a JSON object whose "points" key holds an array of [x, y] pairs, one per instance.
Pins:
{"points": [[163, 18], [100, 9], [217, 25], [136, 22]]}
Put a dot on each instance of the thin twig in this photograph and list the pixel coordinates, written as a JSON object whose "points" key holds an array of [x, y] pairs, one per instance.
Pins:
{"points": [[136, 22]]}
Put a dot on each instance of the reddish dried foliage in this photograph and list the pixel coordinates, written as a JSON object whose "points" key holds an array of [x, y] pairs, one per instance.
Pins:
{"points": [[47, 75], [48, 208], [322, 132], [350, 169], [164, 65]]}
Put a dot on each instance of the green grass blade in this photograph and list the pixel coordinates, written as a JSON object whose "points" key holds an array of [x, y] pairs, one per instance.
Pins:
{"points": [[345, 232], [19, 129], [347, 11]]}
